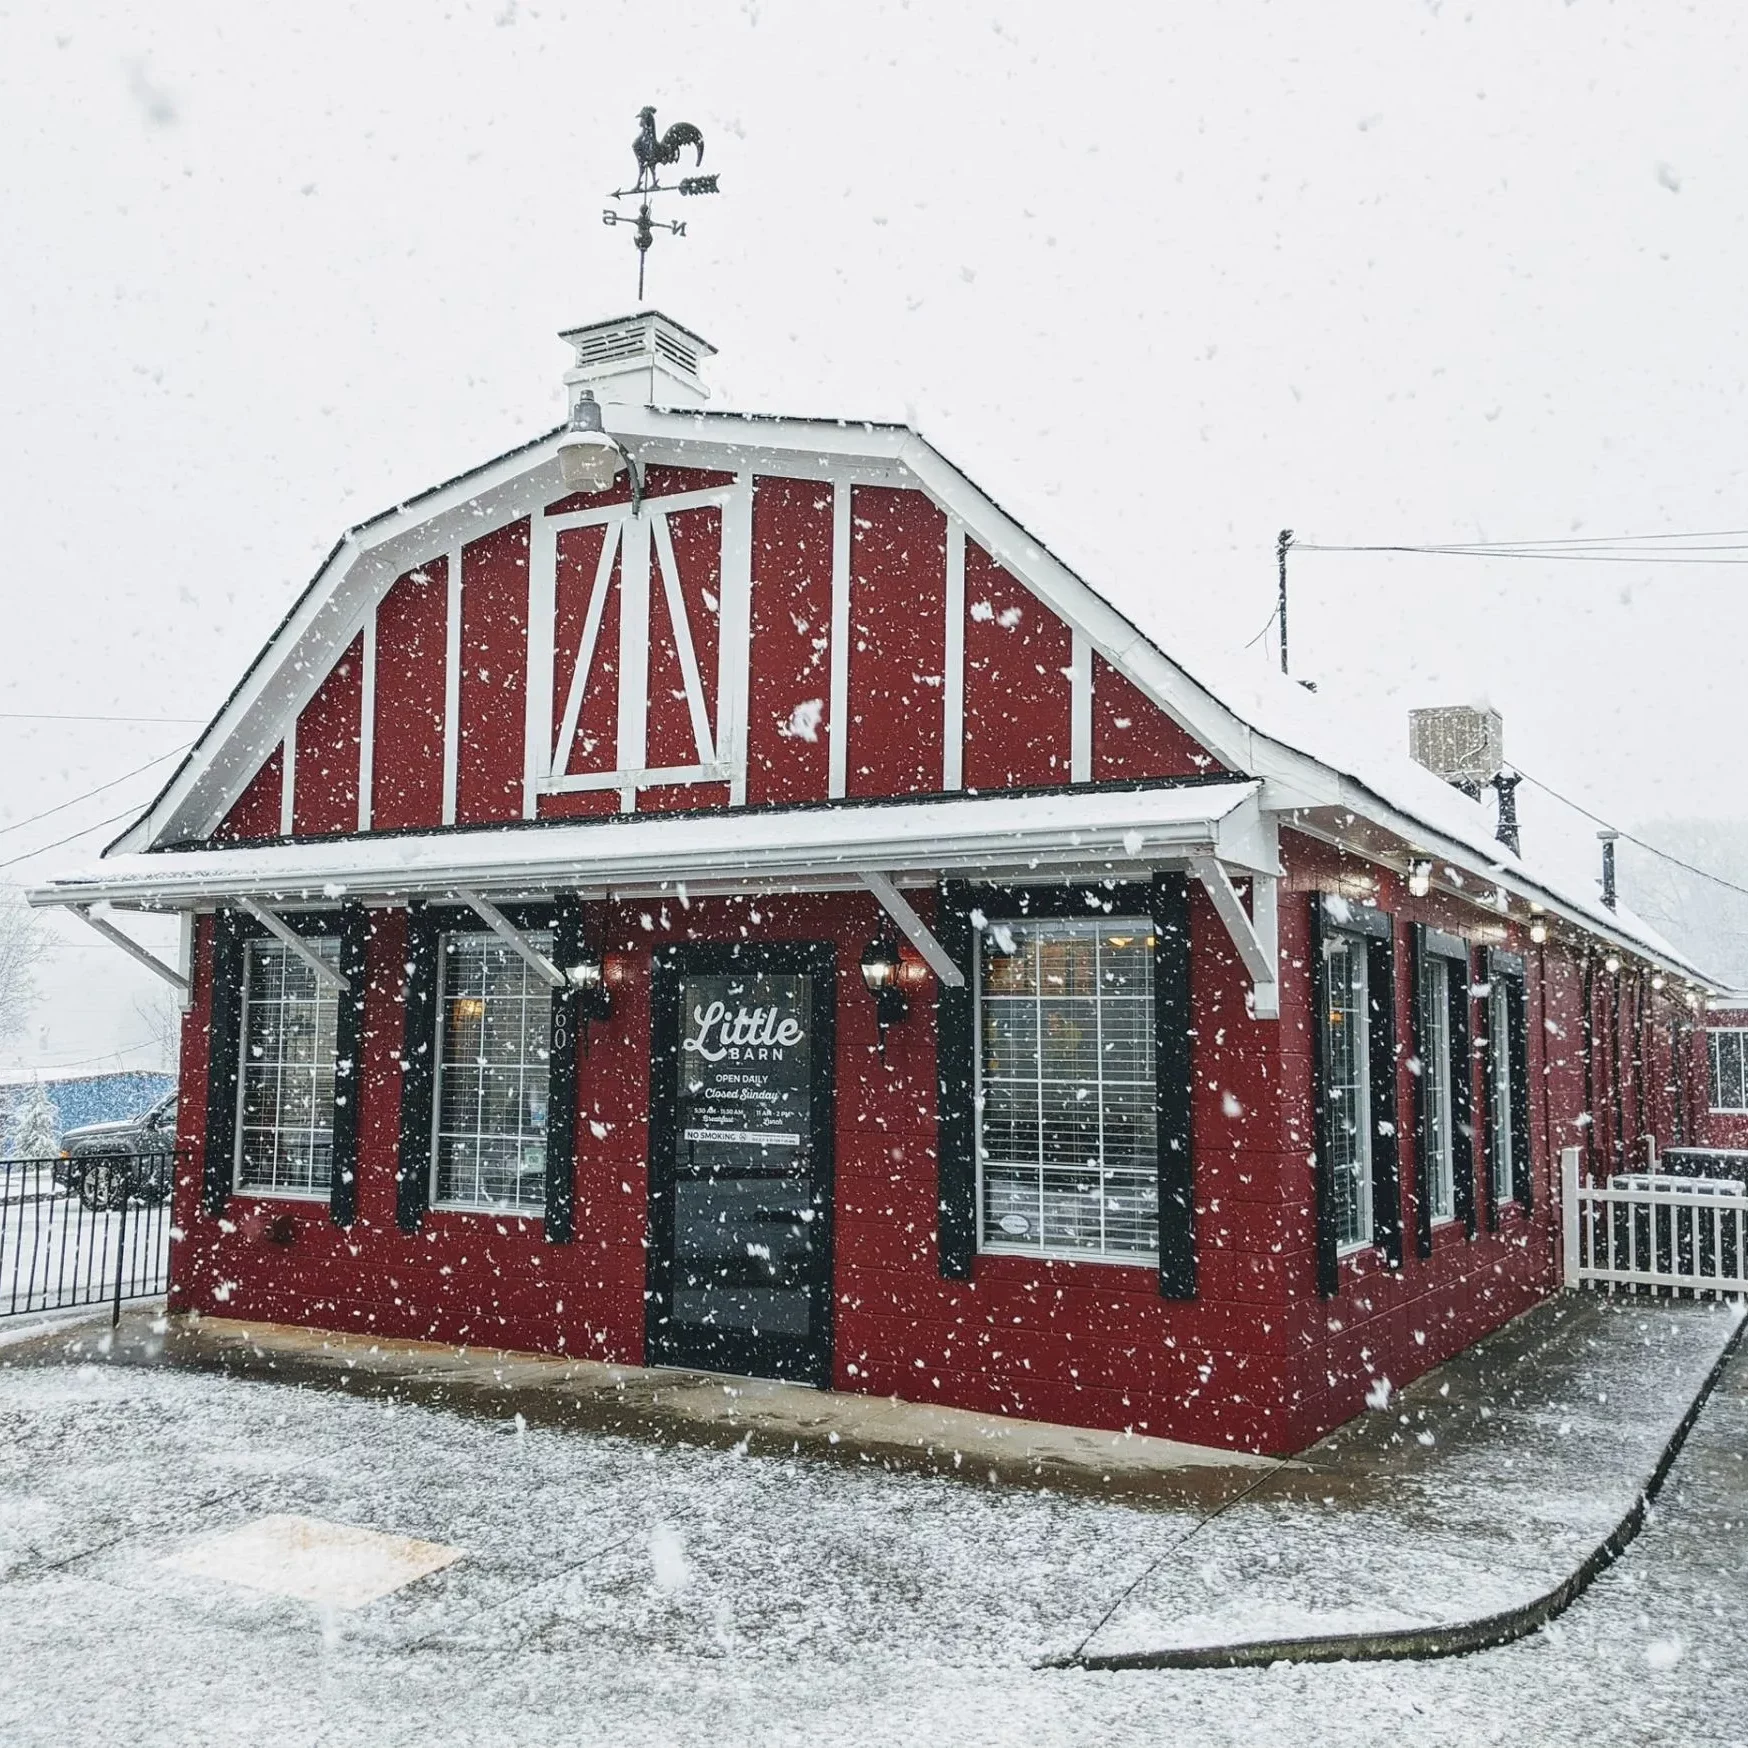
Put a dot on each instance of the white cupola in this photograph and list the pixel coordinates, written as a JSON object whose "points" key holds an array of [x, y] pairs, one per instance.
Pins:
{"points": [[641, 360]]}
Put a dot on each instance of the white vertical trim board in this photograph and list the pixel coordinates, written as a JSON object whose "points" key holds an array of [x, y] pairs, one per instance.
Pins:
{"points": [[452, 685], [953, 677], [734, 641], [573, 704], [633, 653], [681, 627], [288, 780], [542, 607], [1080, 713], [838, 707], [367, 723]]}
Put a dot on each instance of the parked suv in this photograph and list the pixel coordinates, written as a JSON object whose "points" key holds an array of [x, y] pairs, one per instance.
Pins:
{"points": [[107, 1163]]}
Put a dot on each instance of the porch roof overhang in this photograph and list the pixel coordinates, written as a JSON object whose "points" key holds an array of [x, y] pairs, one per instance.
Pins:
{"points": [[1097, 834]]}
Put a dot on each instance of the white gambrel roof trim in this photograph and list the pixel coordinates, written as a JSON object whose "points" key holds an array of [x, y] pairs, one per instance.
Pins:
{"points": [[1316, 777], [1087, 834]]}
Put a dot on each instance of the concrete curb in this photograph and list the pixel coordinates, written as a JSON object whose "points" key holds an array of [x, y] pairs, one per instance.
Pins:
{"points": [[1450, 1639]]}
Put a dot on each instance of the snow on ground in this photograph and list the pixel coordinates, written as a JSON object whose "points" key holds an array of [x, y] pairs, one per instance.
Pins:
{"points": [[619, 1593], [1527, 1468]]}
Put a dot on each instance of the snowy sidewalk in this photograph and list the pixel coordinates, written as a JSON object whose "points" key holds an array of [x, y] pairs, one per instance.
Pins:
{"points": [[1474, 1492], [759, 1416], [1480, 1488]]}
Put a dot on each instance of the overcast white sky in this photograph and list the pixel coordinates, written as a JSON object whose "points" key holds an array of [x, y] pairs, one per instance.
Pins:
{"points": [[1165, 278]]}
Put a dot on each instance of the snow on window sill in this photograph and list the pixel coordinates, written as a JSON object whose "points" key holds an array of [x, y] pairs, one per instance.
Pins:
{"points": [[1031, 1253]]}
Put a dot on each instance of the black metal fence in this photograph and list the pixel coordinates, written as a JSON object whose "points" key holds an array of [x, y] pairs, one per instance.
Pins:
{"points": [[89, 1231]]}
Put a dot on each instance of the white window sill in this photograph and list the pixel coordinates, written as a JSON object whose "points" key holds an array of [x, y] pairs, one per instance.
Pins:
{"points": [[1129, 1259], [487, 1208], [261, 1193]]}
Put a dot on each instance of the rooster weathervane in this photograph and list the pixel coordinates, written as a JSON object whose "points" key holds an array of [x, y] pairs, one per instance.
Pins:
{"points": [[654, 150]]}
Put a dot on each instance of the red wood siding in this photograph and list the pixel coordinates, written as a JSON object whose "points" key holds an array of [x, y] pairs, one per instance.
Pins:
{"points": [[494, 681], [788, 753], [697, 541], [412, 622], [324, 783], [596, 741], [256, 812], [1133, 737], [898, 642], [658, 482], [1018, 694], [595, 746]]}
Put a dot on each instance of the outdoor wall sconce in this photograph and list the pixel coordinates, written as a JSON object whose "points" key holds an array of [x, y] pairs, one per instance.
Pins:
{"points": [[588, 459], [880, 965], [1420, 878], [594, 1001]]}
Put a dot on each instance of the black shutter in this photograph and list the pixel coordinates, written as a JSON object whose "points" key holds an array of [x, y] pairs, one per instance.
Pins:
{"points": [[1174, 1081], [224, 1051], [1328, 1272], [1421, 1029], [956, 1116], [418, 1068], [1463, 1150], [355, 931], [561, 1102], [1385, 1116]]}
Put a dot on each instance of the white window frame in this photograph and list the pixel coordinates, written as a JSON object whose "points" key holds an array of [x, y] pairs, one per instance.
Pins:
{"points": [[1438, 1085], [532, 984], [1714, 1080], [328, 946], [993, 1244], [1501, 1143], [1358, 948]]}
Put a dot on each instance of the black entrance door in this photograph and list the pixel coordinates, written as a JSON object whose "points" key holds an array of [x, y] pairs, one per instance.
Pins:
{"points": [[741, 1159]]}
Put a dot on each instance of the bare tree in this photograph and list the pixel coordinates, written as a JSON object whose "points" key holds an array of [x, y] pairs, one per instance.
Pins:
{"points": [[22, 945], [161, 1014]]}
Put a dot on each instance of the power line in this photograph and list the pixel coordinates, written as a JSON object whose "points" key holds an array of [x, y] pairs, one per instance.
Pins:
{"points": [[66, 716], [83, 832], [1672, 557], [1608, 825], [1603, 539], [62, 806]]}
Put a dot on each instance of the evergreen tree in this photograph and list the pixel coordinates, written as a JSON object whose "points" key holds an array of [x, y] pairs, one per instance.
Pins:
{"points": [[35, 1125]]}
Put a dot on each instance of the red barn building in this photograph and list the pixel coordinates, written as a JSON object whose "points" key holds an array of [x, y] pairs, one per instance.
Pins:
{"points": [[717, 892]]}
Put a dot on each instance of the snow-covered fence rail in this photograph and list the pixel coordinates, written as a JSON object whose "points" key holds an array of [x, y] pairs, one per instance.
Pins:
{"points": [[1653, 1230], [91, 1231]]}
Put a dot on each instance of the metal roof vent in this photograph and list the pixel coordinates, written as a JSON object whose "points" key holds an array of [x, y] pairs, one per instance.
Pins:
{"points": [[1459, 743], [641, 360]]}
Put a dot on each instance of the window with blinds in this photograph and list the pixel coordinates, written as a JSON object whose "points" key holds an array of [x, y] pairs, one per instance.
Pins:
{"points": [[1347, 1088], [1499, 1125], [1436, 1082], [495, 1019], [1729, 1084], [285, 1131], [1067, 1093]]}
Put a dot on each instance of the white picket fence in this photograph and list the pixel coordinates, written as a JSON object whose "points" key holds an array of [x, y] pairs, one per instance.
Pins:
{"points": [[1649, 1229]]}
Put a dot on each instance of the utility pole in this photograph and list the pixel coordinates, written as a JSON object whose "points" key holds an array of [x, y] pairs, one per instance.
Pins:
{"points": [[1281, 545]]}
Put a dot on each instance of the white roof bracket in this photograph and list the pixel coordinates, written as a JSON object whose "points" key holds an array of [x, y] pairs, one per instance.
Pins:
{"points": [[131, 947], [277, 926], [898, 907], [506, 931], [1254, 939]]}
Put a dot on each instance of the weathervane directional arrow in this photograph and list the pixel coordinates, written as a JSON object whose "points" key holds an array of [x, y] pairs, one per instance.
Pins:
{"points": [[654, 150]]}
